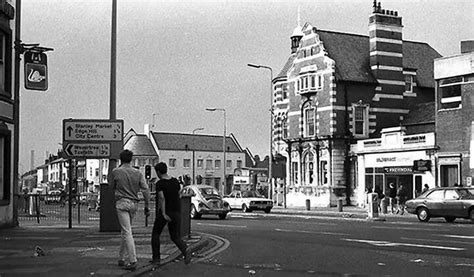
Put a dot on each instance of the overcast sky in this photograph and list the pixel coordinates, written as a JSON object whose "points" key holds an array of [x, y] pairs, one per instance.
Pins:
{"points": [[177, 58]]}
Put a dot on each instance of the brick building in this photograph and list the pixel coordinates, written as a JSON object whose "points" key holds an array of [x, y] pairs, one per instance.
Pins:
{"points": [[336, 88], [454, 77]]}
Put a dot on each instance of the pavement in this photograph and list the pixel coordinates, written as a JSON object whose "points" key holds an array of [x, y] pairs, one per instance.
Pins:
{"points": [[54, 250]]}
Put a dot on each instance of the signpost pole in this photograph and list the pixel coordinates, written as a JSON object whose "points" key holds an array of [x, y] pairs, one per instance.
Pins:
{"points": [[70, 193]]}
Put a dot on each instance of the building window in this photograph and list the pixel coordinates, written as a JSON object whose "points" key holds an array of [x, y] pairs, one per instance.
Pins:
{"points": [[208, 164], [284, 127], [449, 175], [186, 163], [239, 164], [229, 164], [172, 163], [217, 164], [5, 64], [408, 83], [450, 92], [310, 82], [310, 122], [96, 172], [5, 168], [360, 121], [200, 163]]}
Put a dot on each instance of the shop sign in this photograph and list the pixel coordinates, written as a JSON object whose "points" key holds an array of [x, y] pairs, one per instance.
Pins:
{"points": [[421, 165], [398, 170]]}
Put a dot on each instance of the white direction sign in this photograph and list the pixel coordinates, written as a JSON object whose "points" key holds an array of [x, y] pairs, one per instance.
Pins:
{"points": [[87, 150], [92, 130]]}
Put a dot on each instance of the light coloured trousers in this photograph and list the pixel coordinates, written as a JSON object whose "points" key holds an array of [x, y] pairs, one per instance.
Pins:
{"points": [[126, 210]]}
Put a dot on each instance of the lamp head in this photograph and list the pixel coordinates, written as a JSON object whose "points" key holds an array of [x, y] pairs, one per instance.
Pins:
{"points": [[211, 109]]}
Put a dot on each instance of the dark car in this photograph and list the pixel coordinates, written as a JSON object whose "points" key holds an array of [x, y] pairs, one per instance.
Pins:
{"points": [[447, 202]]}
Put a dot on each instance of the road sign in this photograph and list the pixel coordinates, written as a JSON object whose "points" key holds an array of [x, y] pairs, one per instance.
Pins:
{"points": [[36, 70], [87, 150], [92, 138], [92, 130]]}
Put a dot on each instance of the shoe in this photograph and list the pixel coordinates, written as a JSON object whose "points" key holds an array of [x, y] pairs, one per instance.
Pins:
{"points": [[187, 256], [121, 263], [155, 262], [130, 266]]}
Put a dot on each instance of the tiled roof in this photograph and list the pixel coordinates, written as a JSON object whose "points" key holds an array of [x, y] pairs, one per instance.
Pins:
{"points": [[286, 67], [177, 141], [421, 113], [351, 54], [140, 145]]}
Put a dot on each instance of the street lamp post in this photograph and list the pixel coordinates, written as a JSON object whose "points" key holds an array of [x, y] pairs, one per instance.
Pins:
{"points": [[223, 144], [270, 160], [194, 171]]}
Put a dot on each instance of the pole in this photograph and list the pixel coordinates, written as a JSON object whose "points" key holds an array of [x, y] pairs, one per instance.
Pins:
{"points": [[194, 169], [113, 63], [16, 108], [70, 194], [224, 164]]}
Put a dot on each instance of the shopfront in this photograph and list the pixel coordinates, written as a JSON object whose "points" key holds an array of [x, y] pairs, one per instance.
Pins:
{"points": [[396, 158]]}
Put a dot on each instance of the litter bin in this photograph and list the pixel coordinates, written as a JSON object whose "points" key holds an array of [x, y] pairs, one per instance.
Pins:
{"points": [[384, 205], [185, 216], [373, 206], [339, 205], [308, 204]]}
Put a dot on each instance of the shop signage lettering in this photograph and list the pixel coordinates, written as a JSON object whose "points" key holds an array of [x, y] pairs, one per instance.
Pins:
{"points": [[399, 170], [386, 159], [414, 139], [421, 165]]}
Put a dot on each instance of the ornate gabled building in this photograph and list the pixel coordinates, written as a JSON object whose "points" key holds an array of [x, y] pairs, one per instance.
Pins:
{"points": [[337, 88]]}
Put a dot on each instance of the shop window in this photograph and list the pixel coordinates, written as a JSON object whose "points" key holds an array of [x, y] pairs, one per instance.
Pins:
{"points": [[5, 166], [449, 175]]}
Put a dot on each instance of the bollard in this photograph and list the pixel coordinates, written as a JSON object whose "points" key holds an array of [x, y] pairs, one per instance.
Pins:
{"points": [[373, 211], [308, 204], [339, 205], [384, 205]]}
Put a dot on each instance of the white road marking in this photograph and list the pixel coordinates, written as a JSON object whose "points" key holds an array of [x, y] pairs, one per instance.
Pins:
{"points": [[404, 228], [311, 232], [387, 243], [222, 225], [458, 236], [437, 240]]}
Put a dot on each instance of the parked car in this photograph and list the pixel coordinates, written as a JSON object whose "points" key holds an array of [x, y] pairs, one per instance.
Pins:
{"points": [[53, 197], [447, 202], [206, 200], [248, 201]]}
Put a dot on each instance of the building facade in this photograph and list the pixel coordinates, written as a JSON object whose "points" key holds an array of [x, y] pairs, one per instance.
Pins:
{"points": [[337, 88], [8, 118], [454, 77]]}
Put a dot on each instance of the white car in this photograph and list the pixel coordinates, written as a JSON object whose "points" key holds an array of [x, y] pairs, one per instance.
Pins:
{"points": [[248, 201], [206, 200]]}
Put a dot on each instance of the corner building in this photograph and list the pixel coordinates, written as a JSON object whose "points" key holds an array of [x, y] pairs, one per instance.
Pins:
{"points": [[337, 88]]}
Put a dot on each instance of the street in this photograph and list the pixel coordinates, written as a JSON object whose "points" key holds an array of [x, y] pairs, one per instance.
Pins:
{"points": [[300, 245]]}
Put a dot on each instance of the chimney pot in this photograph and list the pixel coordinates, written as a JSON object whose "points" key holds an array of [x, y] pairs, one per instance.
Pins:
{"points": [[383, 11], [396, 13]]}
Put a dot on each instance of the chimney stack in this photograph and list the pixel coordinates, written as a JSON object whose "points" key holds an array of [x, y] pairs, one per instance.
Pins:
{"points": [[386, 49], [467, 46]]}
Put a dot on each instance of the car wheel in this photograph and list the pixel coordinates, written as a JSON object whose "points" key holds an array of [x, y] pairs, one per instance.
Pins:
{"points": [[194, 213], [267, 210], [245, 209], [450, 218], [222, 216], [423, 214], [471, 214]]}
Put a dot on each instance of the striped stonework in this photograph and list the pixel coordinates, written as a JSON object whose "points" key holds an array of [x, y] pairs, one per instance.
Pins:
{"points": [[386, 52]]}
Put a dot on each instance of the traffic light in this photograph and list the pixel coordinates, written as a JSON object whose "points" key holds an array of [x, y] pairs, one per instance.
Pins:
{"points": [[147, 171]]}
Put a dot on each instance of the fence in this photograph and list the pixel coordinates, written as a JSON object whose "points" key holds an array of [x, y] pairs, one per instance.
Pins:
{"points": [[55, 208]]}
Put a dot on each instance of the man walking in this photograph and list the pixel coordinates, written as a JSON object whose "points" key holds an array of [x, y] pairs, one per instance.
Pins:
{"points": [[127, 182], [168, 210]]}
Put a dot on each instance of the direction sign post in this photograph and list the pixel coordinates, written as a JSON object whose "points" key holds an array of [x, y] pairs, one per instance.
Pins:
{"points": [[92, 138]]}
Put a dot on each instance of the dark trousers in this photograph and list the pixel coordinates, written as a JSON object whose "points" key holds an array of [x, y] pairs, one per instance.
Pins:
{"points": [[174, 230]]}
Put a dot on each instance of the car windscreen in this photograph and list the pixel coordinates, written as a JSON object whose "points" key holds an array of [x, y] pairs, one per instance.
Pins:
{"points": [[251, 193], [206, 192]]}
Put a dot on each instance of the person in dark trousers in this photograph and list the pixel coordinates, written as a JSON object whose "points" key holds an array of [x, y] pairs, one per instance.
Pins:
{"points": [[168, 211], [126, 182], [392, 194], [401, 198]]}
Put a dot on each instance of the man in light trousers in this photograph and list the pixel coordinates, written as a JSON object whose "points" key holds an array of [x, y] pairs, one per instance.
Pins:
{"points": [[127, 182]]}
